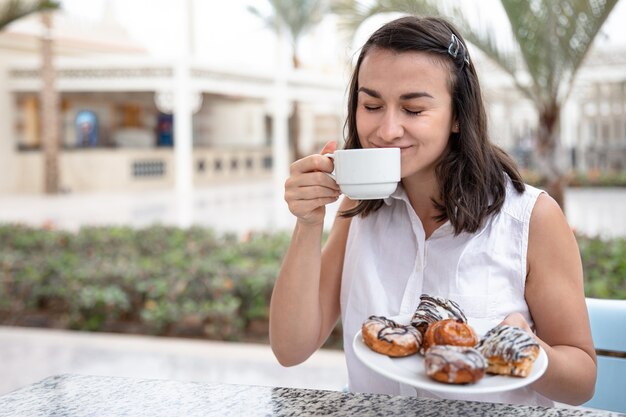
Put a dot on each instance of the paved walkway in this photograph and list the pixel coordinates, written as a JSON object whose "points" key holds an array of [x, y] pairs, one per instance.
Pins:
{"points": [[251, 205], [29, 355], [236, 207]]}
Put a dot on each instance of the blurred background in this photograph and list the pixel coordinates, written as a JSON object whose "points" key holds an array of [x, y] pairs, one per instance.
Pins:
{"points": [[144, 146]]}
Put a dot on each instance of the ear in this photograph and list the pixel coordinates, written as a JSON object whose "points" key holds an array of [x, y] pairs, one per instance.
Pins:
{"points": [[455, 127]]}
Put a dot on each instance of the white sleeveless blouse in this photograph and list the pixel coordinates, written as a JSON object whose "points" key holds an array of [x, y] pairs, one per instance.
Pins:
{"points": [[388, 264]]}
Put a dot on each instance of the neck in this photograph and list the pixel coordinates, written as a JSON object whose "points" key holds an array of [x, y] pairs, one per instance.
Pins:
{"points": [[421, 193]]}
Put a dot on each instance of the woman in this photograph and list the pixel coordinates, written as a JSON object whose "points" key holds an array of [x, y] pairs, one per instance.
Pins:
{"points": [[461, 225]]}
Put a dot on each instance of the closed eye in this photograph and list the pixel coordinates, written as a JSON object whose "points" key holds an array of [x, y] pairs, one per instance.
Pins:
{"points": [[413, 112], [371, 108]]}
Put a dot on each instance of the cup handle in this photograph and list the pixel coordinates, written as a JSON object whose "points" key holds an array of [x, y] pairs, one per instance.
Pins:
{"points": [[331, 174]]}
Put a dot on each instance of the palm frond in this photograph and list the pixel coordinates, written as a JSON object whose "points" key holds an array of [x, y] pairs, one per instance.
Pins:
{"points": [[13, 10], [352, 13], [551, 38], [554, 38], [507, 59], [296, 16]]}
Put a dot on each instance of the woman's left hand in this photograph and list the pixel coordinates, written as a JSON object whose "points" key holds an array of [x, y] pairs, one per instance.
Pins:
{"points": [[518, 320]]}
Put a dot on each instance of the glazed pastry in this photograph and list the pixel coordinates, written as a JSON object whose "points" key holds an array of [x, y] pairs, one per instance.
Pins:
{"points": [[454, 364], [390, 338], [509, 351], [432, 309], [449, 332]]}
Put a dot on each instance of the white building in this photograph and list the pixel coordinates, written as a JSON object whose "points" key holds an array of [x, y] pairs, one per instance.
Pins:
{"points": [[116, 105], [117, 133], [593, 120]]}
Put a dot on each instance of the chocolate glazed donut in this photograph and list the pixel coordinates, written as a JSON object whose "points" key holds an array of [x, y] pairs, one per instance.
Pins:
{"points": [[509, 351], [432, 309], [390, 338]]}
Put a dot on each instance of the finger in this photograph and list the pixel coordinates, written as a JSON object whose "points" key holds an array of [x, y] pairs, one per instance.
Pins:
{"points": [[311, 179], [330, 147], [306, 162], [517, 320], [312, 163], [302, 208], [310, 193]]}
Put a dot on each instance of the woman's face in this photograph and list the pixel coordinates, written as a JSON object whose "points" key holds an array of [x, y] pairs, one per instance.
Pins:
{"points": [[404, 101]]}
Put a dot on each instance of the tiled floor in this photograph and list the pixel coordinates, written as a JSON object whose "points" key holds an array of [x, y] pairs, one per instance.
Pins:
{"points": [[251, 205], [29, 355], [236, 207]]}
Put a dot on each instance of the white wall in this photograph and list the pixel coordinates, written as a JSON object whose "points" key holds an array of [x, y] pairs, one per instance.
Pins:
{"points": [[94, 170], [224, 122], [7, 135]]}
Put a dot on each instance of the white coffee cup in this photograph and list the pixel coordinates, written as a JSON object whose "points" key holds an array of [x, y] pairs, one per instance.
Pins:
{"points": [[366, 174]]}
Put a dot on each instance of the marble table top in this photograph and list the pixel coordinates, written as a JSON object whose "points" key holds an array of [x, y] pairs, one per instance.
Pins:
{"points": [[78, 395]]}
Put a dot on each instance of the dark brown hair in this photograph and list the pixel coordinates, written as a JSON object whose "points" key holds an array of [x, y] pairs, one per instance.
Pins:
{"points": [[471, 179]]}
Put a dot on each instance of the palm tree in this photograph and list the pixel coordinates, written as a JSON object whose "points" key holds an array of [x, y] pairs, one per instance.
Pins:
{"points": [[10, 11], [551, 40], [297, 17]]}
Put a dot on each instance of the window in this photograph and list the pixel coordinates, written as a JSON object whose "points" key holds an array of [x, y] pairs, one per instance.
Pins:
{"points": [[86, 129], [150, 168]]}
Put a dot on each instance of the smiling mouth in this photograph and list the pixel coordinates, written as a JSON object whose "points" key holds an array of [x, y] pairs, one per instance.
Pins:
{"points": [[391, 147]]}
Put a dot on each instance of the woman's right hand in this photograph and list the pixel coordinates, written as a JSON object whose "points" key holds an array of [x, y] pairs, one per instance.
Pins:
{"points": [[308, 189]]}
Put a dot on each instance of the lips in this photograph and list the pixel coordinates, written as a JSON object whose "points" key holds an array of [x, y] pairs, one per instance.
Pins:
{"points": [[400, 147]]}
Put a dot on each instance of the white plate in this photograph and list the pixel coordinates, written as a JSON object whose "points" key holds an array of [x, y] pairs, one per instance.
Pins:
{"points": [[410, 370]]}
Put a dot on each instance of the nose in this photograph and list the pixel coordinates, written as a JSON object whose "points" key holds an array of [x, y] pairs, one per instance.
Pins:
{"points": [[391, 127]]}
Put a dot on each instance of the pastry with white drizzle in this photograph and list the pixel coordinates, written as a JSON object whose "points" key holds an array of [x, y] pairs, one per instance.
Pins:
{"points": [[454, 364], [509, 351], [433, 309], [385, 336]]}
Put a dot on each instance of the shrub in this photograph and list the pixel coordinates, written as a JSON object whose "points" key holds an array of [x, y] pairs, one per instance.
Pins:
{"points": [[159, 280], [604, 265], [592, 178], [168, 281]]}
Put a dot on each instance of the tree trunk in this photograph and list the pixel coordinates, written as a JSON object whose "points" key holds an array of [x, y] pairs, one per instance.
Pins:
{"points": [[49, 110], [548, 154], [294, 131]]}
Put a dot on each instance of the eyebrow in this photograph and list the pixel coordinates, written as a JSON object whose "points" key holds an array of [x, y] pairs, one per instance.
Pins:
{"points": [[407, 96]]}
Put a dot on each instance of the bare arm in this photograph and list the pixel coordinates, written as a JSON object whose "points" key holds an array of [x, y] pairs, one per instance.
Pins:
{"points": [[555, 297], [305, 301]]}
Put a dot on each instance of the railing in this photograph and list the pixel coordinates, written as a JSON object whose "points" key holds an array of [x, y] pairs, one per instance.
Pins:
{"points": [[125, 169]]}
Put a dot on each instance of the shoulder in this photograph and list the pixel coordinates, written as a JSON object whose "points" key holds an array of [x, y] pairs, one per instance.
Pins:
{"points": [[551, 240], [547, 218]]}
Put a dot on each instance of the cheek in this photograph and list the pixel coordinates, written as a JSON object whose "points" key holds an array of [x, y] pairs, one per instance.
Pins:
{"points": [[363, 128]]}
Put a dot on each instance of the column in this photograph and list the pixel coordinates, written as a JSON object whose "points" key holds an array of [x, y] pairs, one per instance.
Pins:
{"points": [[8, 144], [280, 131], [183, 133]]}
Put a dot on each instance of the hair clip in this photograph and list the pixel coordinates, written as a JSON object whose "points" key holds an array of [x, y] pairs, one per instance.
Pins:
{"points": [[457, 46]]}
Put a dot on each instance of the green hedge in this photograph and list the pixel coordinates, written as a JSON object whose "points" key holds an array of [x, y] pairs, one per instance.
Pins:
{"points": [[158, 280], [589, 179], [168, 281], [604, 264]]}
